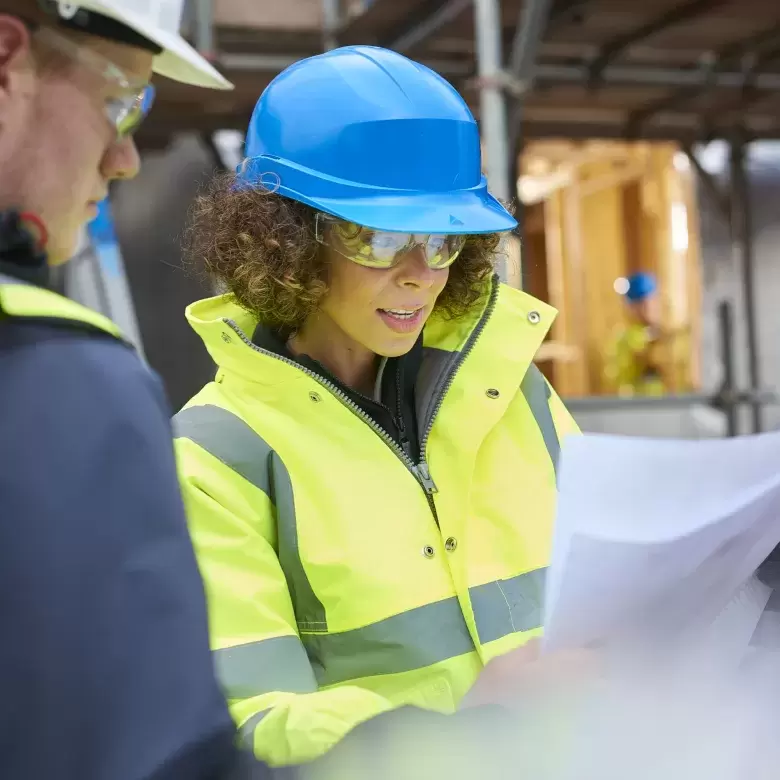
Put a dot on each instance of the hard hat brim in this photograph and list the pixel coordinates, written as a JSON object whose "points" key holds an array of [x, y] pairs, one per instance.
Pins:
{"points": [[466, 212], [179, 61]]}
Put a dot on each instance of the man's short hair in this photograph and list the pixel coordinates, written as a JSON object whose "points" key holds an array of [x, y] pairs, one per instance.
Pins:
{"points": [[29, 10]]}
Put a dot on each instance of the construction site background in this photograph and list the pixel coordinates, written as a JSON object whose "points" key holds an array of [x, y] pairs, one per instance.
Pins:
{"points": [[255, 40]]}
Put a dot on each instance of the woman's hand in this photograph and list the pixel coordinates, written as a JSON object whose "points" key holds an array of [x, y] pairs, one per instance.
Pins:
{"points": [[512, 679]]}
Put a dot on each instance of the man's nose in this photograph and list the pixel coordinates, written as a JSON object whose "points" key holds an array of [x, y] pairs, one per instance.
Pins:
{"points": [[121, 160]]}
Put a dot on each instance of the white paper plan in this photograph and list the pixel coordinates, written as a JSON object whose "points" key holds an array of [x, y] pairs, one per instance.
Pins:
{"points": [[657, 535]]}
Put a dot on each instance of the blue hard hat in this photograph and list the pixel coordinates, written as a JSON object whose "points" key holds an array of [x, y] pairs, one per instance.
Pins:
{"points": [[369, 136], [640, 286]]}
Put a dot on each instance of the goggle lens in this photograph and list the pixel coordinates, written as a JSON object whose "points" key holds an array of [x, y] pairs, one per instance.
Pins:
{"points": [[128, 113], [383, 249]]}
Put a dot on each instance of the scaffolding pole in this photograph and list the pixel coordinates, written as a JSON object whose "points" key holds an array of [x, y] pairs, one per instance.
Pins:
{"points": [[529, 32], [204, 28], [742, 243], [331, 21], [492, 104], [726, 327]]}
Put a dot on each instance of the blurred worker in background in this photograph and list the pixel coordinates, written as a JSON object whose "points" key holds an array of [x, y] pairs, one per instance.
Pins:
{"points": [[371, 478], [632, 362], [105, 669]]}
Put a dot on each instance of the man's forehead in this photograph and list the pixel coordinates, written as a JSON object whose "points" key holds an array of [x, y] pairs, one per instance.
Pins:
{"points": [[135, 63]]}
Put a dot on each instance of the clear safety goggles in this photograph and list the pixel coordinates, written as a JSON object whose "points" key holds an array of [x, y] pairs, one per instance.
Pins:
{"points": [[127, 108], [382, 248]]}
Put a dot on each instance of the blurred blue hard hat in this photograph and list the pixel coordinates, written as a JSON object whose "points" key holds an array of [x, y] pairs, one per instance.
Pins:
{"points": [[369, 136], [640, 286]]}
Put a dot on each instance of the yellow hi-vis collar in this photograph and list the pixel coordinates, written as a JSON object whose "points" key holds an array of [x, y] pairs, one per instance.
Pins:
{"points": [[21, 300]]}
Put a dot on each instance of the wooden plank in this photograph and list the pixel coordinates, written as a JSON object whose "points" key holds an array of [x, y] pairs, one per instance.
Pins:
{"points": [[575, 294], [564, 375]]}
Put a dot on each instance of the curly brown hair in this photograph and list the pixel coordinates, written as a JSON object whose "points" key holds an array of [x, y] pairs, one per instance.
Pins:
{"points": [[262, 247]]}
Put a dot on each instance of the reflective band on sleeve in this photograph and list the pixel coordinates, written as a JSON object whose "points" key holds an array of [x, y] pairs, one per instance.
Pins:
{"points": [[405, 642], [508, 606], [230, 440], [537, 394], [428, 634], [410, 640], [247, 730], [275, 664]]}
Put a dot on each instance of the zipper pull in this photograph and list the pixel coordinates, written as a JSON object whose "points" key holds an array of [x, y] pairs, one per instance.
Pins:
{"points": [[425, 478]]}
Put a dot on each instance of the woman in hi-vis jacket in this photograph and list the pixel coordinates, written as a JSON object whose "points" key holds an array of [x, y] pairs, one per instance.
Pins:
{"points": [[371, 476]]}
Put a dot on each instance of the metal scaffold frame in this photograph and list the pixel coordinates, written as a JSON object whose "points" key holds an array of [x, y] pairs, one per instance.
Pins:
{"points": [[505, 83]]}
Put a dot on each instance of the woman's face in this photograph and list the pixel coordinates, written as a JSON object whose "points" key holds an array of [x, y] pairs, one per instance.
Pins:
{"points": [[383, 310]]}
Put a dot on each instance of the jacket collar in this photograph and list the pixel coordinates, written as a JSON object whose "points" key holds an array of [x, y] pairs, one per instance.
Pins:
{"points": [[226, 329]]}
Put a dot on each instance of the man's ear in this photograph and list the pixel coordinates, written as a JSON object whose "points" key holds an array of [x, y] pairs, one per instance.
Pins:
{"points": [[14, 46]]}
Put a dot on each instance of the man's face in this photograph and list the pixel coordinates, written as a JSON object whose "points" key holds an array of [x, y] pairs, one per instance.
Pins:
{"points": [[648, 310], [58, 148]]}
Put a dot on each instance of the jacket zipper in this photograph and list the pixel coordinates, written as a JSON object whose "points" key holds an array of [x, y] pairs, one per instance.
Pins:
{"points": [[419, 471], [399, 408], [467, 349]]}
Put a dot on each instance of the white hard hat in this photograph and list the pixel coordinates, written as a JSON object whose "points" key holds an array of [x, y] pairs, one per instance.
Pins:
{"points": [[159, 21]]}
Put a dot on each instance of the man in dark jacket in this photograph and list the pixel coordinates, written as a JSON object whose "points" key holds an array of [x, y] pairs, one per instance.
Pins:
{"points": [[105, 668]]}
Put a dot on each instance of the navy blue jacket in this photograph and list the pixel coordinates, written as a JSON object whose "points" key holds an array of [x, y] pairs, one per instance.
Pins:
{"points": [[105, 667]]}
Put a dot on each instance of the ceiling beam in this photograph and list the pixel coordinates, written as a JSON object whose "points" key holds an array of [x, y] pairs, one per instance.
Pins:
{"points": [[748, 96], [547, 73], [652, 77], [566, 11], [435, 15], [610, 51], [531, 25], [428, 25], [690, 133], [729, 56]]}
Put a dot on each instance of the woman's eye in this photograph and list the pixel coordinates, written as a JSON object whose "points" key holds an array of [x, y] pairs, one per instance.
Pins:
{"points": [[383, 242]]}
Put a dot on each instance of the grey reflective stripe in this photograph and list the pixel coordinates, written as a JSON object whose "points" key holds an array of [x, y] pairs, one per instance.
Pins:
{"points": [[429, 634], [537, 393], [309, 611], [411, 640], [276, 664], [508, 606], [247, 730], [5, 279], [405, 642], [229, 439]]}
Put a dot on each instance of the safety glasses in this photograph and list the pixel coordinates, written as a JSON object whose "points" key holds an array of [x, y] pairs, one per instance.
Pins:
{"points": [[384, 249], [130, 103]]}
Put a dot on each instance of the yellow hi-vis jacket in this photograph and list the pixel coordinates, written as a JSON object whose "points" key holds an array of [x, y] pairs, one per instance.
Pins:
{"points": [[24, 301], [343, 579]]}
